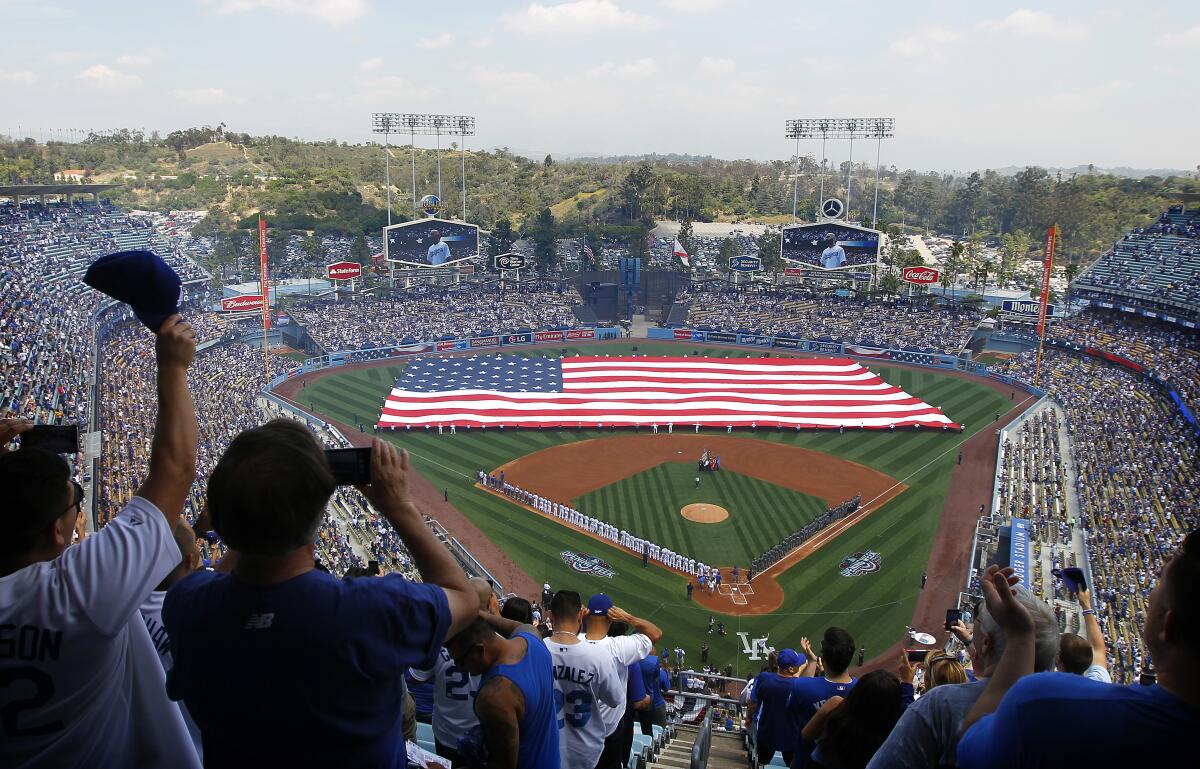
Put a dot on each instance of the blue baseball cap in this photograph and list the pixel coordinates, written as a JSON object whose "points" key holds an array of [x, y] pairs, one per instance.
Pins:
{"points": [[599, 604], [790, 658], [140, 279]]}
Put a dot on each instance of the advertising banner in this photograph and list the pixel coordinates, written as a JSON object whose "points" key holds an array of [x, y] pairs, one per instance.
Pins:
{"points": [[485, 341], [794, 272], [452, 344], [745, 263], [789, 344], [922, 276], [721, 336], [581, 333], [824, 347], [548, 336], [264, 284], [517, 338], [1018, 550], [758, 340], [343, 271], [683, 333], [245, 303]]}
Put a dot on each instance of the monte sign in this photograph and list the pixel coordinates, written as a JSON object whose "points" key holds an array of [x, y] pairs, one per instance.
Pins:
{"points": [[246, 303], [343, 271], [923, 276], [1027, 307]]}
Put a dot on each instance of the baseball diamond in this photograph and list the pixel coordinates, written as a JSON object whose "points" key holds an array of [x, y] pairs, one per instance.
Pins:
{"points": [[809, 592]]}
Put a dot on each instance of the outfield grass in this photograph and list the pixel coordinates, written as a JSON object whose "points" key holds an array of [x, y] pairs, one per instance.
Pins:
{"points": [[874, 607], [760, 513]]}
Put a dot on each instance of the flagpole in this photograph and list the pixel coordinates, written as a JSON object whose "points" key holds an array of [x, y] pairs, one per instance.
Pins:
{"points": [[1047, 268], [262, 286]]}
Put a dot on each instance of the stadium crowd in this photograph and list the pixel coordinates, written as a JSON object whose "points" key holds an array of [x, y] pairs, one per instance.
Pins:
{"points": [[923, 327], [425, 316]]}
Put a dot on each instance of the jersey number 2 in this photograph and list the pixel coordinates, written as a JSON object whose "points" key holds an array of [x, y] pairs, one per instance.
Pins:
{"points": [[457, 681], [43, 686]]}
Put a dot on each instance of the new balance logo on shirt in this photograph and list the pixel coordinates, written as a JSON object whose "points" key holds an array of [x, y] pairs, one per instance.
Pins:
{"points": [[259, 621]]}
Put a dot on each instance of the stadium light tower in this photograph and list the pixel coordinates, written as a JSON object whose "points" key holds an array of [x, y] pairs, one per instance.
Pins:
{"points": [[423, 125], [878, 128]]}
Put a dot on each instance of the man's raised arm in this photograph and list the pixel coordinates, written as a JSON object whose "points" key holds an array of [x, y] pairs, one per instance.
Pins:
{"points": [[1095, 635], [173, 450]]}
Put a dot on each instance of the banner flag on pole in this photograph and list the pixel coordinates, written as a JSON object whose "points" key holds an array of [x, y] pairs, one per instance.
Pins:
{"points": [[682, 254]]}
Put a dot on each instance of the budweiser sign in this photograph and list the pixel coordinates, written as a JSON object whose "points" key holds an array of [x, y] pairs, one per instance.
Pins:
{"points": [[343, 271], [242, 303], [921, 275]]}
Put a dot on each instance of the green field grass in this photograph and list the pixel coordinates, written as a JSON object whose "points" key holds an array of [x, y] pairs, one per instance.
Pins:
{"points": [[874, 607], [760, 513]]}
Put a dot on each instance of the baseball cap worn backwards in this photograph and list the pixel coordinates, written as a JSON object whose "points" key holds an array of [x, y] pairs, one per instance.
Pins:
{"points": [[140, 279]]}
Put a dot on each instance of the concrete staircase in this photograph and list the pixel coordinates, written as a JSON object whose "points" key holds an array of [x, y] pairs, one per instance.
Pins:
{"points": [[726, 751]]}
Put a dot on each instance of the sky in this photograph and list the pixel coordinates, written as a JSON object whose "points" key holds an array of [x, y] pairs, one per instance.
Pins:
{"points": [[973, 85]]}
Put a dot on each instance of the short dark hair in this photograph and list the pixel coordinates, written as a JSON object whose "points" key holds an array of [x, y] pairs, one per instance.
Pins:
{"points": [[1182, 574], [1075, 653], [33, 483], [856, 728], [269, 490], [565, 603], [518, 610], [837, 650]]}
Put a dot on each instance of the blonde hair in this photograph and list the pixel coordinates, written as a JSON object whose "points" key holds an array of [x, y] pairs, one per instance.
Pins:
{"points": [[942, 668]]}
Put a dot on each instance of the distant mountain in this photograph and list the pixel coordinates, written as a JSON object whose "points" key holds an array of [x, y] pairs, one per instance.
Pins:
{"points": [[1124, 171]]}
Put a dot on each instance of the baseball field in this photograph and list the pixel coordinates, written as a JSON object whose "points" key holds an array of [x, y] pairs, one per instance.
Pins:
{"points": [[771, 483]]}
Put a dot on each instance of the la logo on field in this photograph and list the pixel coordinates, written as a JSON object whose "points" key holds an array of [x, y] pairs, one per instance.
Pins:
{"points": [[755, 649]]}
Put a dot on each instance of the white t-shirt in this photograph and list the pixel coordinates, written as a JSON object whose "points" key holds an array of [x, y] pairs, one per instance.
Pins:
{"points": [[454, 692], [584, 674], [625, 650], [1098, 673], [151, 611], [84, 683]]}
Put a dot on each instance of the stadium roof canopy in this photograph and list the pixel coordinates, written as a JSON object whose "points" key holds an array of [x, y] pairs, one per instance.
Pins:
{"points": [[33, 190]]}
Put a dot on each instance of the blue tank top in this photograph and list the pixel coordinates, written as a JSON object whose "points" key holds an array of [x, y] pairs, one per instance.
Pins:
{"points": [[538, 727]]}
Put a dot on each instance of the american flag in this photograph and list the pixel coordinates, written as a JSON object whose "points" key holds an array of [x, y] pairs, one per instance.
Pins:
{"points": [[587, 251], [513, 390]]}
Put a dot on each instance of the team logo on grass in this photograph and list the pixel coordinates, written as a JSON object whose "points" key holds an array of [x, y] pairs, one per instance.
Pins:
{"points": [[587, 564], [858, 564]]}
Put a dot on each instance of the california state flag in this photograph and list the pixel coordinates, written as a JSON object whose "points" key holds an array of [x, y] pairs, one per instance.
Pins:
{"points": [[682, 254]]}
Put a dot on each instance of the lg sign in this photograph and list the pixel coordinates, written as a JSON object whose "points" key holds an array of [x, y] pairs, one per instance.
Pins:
{"points": [[242, 303], [921, 275], [343, 271]]}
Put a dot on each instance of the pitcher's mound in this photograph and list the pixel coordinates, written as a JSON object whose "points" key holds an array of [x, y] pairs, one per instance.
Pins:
{"points": [[701, 513]]}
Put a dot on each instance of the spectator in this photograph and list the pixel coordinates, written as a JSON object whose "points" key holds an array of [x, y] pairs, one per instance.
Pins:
{"points": [[519, 610], [809, 692], [626, 651], [777, 724], [1124, 724], [97, 694], [454, 690], [516, 701], [586, 677], [847, 731], [927, 734], [656, 714], [1084, 656], [312, 667], [940, 669]]}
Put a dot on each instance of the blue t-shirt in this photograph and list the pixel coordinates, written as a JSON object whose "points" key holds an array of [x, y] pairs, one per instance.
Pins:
{"points": [[1059, 719], [777, 726], [422, 694], [650, 681], [538, 728], [805, 698], [635, 688], [307, 671]]}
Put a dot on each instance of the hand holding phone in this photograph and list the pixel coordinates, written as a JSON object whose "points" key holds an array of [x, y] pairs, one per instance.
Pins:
{"points": [[952, 616], [350, 467], [57, 439]]}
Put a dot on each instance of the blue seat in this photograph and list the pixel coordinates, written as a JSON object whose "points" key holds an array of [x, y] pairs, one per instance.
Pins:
{"points": [[424, 732]]}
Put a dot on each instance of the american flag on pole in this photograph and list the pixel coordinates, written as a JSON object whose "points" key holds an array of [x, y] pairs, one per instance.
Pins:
{"points": [[512, 390], [587, 252]]}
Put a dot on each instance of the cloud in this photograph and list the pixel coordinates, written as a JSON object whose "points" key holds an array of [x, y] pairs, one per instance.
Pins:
{"points": [[372, 63], [693, 6], [926, 44], [20, 77], [1024, 22], [634, 70], [444, 40], [202, 96], [717, 66], [578, 18], [106, 78], [1189, 36], [388, 89], [328, 11], [483, 42], [134, 61]]}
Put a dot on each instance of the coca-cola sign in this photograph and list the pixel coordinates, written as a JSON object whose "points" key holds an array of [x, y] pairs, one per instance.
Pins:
{"points": [[921, 275], [343, 271], [245, 303]]}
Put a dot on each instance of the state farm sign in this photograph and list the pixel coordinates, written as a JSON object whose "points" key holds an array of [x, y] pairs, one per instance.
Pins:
{"points": [[343, 271], [242, 303], [921, 275]]}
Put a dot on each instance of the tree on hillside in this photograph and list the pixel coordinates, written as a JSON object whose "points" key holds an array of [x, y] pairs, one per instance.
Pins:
{"points": [[502, 237], [768, 250], [955, 260], [277, 248], [729, 249], [545, 251], [889, 283], [360, 250], [685, 235], [314, 252], [634, 190]]}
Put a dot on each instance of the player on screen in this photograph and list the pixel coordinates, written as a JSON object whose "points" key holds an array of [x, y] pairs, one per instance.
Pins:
{"points": [[834, 255], [439, 252]]}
